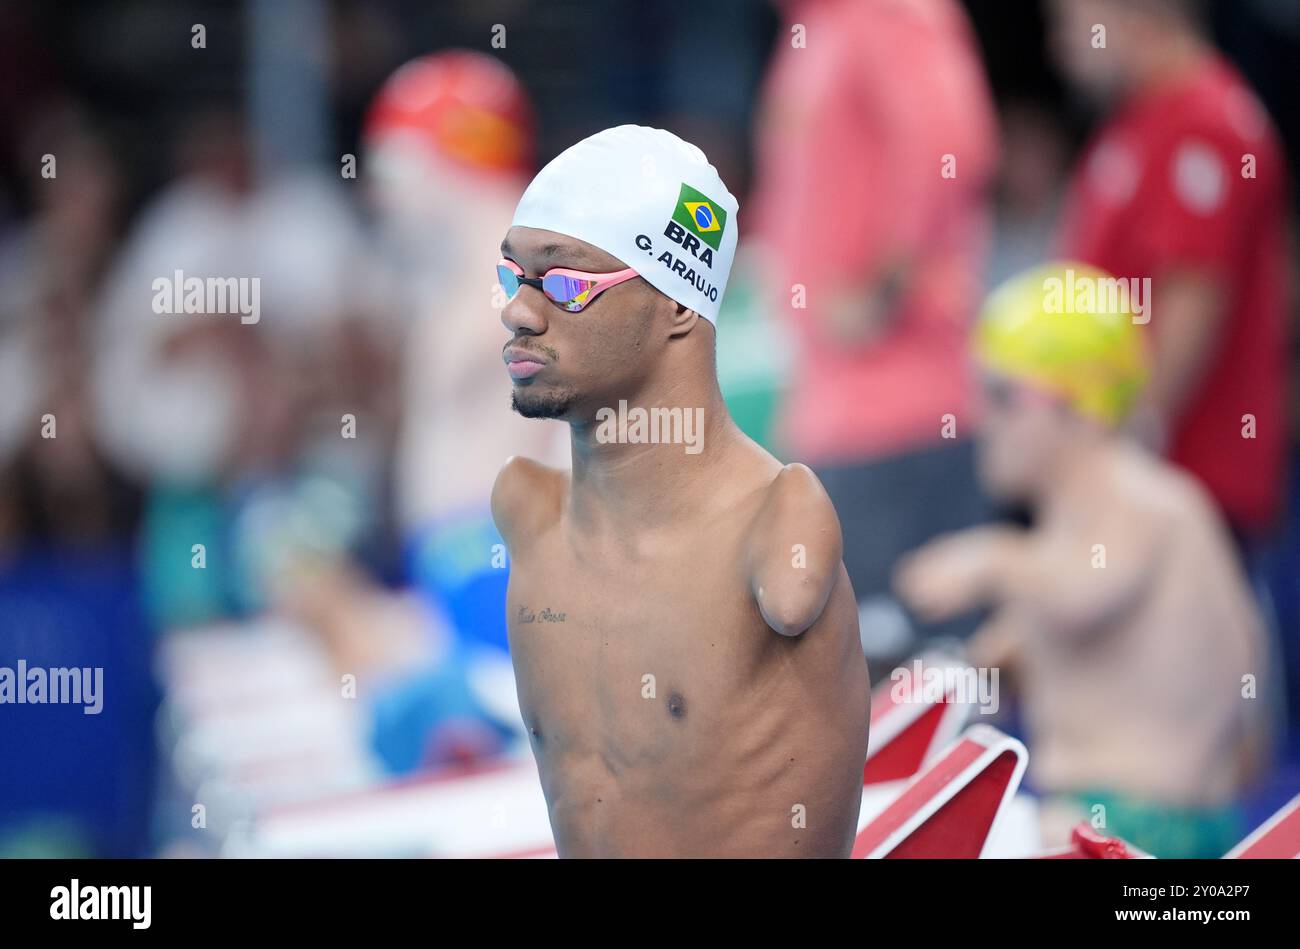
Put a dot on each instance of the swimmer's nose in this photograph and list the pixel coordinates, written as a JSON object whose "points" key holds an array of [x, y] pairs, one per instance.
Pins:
{"points": [[525, 314]]}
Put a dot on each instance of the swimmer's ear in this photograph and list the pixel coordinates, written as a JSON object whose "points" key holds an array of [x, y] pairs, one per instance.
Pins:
{"points": [[683, 319]]}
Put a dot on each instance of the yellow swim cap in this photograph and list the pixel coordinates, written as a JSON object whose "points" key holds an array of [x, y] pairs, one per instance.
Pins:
{"points": [[1067, 328]]}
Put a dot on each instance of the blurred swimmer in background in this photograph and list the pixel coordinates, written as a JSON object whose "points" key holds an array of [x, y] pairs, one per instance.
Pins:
{"points": [[1122, 611]]}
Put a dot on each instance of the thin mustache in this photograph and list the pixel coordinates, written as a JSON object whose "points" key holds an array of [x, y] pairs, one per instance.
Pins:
{"points": [[546, 351]]}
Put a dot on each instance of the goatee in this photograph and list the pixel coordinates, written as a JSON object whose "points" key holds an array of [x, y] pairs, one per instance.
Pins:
{"points": [[541, 404]]}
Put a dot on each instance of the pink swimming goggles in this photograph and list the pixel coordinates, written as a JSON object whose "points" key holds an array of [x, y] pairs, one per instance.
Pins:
{"points": [[572, 289]]}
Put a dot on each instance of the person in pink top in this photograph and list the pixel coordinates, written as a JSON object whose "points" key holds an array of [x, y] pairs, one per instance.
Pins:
{"points": [[876, 145]]}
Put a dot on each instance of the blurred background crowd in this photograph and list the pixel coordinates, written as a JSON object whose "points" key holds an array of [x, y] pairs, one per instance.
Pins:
{"points": [[242, 522]]}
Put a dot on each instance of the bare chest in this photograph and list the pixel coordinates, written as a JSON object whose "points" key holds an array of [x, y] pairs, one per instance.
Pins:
{"points": [[608, 647]]}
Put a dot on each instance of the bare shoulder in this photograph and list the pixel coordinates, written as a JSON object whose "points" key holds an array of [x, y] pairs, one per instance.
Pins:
{"points": [[796, 500], [794, 550], [1144, 510], [526, 497], [1156, 496]]}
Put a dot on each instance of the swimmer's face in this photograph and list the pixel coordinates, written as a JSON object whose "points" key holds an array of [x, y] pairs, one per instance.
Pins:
{"points": [[568, 365], [1022, 434]]}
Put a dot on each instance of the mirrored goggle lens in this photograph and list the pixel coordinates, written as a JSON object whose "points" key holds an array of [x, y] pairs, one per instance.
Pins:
{"points": [[570, 292], [508, 279]]}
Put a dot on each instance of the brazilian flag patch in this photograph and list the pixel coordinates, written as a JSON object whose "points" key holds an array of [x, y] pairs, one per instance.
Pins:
{"points": [[701, 216]]}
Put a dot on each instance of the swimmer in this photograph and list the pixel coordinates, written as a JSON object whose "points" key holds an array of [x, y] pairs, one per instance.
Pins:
{"points": [[684, 634], [1123, 609]]}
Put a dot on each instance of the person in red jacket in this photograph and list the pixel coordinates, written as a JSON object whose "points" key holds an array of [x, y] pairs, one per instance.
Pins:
{"points": [[1184, 183]]}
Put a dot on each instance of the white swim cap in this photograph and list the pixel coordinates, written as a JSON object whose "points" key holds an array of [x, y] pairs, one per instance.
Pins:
{"points": [[651, 200]]}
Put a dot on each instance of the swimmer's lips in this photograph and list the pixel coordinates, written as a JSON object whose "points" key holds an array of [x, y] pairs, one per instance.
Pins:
{"points": [[522, 365]]}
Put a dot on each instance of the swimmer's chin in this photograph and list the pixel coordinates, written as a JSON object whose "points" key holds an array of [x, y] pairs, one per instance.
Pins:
{"points": [[531, 404]]}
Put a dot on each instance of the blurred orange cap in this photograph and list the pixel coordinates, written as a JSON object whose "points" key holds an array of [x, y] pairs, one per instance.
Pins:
{"points": [[466, 106]]}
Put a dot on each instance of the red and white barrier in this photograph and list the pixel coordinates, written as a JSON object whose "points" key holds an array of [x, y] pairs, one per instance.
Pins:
{"points": [[949, 808], [907, 732]]}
